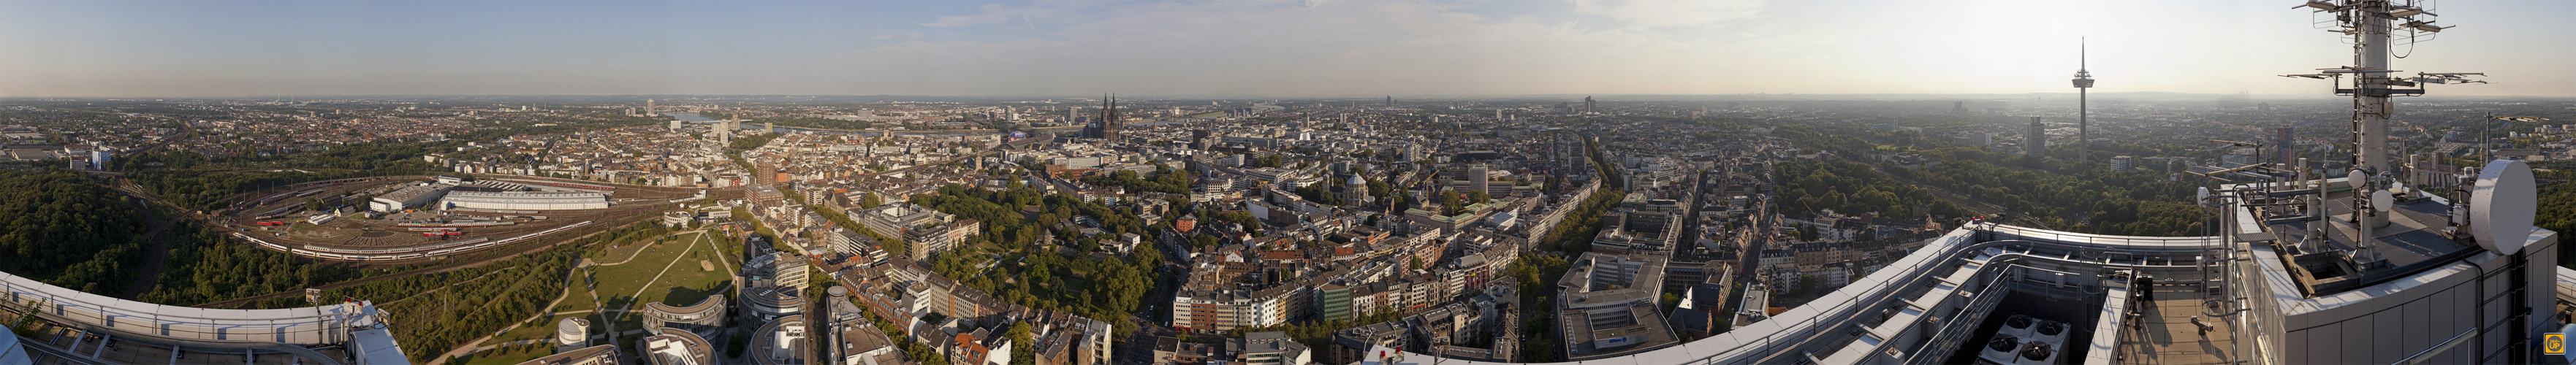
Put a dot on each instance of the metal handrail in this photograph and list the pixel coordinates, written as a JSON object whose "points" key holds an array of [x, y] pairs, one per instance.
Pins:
{"points": [[329, 323]]}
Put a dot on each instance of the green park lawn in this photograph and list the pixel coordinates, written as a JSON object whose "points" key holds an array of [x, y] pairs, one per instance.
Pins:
{"points": [[630, 284]]}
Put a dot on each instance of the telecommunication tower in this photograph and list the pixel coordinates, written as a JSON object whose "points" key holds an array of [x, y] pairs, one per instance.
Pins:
{"points": [[2083, 115], [2373, 26]]}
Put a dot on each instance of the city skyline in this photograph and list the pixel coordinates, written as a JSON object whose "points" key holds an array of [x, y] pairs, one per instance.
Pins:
{"points": [[1287, 49]]}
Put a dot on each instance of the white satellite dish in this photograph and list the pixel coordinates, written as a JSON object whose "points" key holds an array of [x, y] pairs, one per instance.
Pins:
{"points": [[2381, 200], [2204, 195], [2355, 179], [2502, 205]]}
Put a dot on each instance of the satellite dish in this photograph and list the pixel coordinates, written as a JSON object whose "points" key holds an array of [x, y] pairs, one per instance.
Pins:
{"points": [[2355, 179], [2502, 205], [2381, 200], [2571, 355], [2204, 195]]}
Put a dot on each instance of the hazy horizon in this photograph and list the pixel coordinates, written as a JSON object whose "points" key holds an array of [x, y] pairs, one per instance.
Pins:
{"points": [[1246, 49]]}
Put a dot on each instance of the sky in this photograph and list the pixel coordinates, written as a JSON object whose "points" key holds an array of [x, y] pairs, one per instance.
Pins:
{"points": [[1233, 48]]}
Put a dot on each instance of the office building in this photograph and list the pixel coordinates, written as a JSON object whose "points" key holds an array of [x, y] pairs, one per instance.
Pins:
{"points": [[2034, 141], [924, 231], [1268, 348]]}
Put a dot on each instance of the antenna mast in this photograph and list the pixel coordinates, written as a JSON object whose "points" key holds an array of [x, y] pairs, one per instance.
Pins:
{"points": [[2371, 24]]}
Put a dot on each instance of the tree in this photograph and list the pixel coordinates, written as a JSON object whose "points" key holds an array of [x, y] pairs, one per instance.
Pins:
{"points": [[1039, 273], [1023, 349], [871, 201], [1479, 197], [1449, 204]]}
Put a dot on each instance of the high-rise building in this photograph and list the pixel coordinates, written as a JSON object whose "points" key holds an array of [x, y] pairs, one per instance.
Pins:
{"points": [[1588, 105], [2034, 142], [1959, 107], [1975, 138], [2282, 146], [1476, 180]]}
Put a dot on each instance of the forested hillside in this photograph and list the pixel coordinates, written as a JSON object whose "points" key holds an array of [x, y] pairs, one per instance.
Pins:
{"points": [[57, 227]]}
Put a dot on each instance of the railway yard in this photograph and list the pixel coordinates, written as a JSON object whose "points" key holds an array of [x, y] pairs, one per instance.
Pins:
{"points": [[281, 220]]}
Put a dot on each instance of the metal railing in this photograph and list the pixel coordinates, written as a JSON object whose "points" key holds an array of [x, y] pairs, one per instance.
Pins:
{"points": [[308, 325]]}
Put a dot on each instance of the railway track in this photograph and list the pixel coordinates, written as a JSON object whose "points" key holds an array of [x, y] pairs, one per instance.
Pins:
{"points": [[498, 255]]}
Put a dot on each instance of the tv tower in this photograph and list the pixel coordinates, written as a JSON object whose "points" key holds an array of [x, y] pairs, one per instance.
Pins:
{"points": [[2083, 113], [2372, 24]]}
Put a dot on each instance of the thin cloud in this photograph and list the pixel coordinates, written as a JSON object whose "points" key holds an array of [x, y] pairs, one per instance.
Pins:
{"points": [[1658, 13]]}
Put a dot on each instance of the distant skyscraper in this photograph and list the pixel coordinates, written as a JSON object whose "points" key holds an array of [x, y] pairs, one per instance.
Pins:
{"points": [[1959, 107], [2034, 143], [648, 106], [2281, 144], [1588, 105], [1390, 100], [1476, 178]]}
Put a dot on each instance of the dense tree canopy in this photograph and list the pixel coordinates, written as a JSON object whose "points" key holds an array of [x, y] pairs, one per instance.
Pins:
{"points": [[1063, 280], [1164, 180], [58, 227]]}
